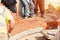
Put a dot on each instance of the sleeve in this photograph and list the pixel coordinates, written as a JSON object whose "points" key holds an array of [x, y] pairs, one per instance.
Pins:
{"points": [[9, 16]]}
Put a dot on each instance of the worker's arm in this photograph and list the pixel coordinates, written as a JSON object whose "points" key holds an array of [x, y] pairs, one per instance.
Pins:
{"points": [[10, 18]]}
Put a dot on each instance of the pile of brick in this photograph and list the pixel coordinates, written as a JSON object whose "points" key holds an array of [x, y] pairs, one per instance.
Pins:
{"points": [[25, 24], [28, 23]]}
